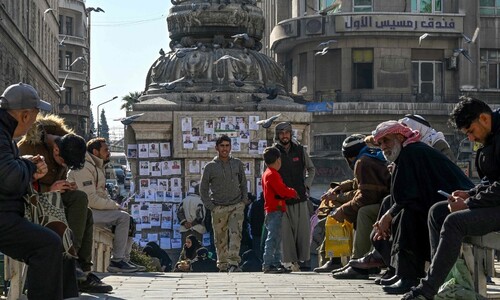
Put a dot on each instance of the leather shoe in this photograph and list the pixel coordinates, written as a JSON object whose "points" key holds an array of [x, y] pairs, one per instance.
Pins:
{"points": [[390, 281], [402, 286], [340, 269], [351, 273], [389, 273], [371, 260], [327, 267]]}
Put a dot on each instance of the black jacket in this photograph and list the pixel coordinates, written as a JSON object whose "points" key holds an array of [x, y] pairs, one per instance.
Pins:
{"points": [[16, 173], [487, 194]]}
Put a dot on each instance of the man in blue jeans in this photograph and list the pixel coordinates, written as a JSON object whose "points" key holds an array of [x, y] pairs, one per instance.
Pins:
{"points": [[474, 212], [39, 247], [275, 193]]}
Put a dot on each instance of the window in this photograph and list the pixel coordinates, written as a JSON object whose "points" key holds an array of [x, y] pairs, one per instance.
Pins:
{"points": [[489, 7], [362, 5], [61, 66], [427, 78], [489, 70], [61, 22], [362, 68], [68, 60], [69, 25], [68, 95], [331, 142], [426, 6]]}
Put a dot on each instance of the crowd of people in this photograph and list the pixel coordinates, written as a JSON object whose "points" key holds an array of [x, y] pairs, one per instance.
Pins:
{"points": [[400, 220]]}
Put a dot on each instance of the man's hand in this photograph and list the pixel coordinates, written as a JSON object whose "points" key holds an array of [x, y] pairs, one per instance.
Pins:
{"points": [[460, 194], [456, 203], [41, 166], [383, 227], [338, 215], [329, 197], [63, 186]]}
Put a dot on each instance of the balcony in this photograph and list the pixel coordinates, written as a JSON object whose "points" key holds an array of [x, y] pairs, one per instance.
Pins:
{"points": [[73, 40], [73, 75], [73, 109], [292, 32]]}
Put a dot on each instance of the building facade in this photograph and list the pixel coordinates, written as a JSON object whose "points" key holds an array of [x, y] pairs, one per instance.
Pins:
{"points": [[382, 59], [74, 65], [28, 47]]}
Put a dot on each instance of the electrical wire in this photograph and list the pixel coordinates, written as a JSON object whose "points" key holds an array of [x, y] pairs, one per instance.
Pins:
{"points": [[126, 23]]}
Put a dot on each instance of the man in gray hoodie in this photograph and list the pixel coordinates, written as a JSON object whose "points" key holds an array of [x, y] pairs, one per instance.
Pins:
{"points": [[223, 191]]}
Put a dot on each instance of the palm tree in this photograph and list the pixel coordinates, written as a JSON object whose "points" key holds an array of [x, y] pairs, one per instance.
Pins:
{"points": [[129, 100]]}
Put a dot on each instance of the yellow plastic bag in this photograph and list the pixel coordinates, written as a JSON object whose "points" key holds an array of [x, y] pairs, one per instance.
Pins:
{"points": [[338, 238]]}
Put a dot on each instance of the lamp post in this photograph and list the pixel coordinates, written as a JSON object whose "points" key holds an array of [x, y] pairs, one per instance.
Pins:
{"points": [[98, 126]]}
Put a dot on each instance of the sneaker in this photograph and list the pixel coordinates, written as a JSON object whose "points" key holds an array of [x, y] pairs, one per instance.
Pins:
{"points": [[233, 268], [80, 275], [283, 269], [271, 270], [139, 267], [93, 284], [295, 267], [121, 266]]}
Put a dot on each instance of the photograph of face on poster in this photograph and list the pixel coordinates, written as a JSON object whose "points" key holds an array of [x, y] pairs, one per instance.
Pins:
{"points": [[153, 150], [165, 150], [143, 150], [187, 142], [235, 144], [175, 166], [163, 184], [132, 151], [252, 123], [208, 127], [165, 168], [186, 124], [248, 169], [194, 166], [144, 168]]}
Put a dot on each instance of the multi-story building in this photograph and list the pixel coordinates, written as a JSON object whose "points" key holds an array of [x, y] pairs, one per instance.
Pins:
{"points": [[384, 59], [28, 47], [74, 65]]}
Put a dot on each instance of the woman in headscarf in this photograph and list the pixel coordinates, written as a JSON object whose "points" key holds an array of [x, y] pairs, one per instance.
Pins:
{"points": [[188, 253]]}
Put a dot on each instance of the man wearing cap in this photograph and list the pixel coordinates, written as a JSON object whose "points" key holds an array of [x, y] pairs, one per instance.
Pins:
{"points": [[64, 150], [297, 171], [39, 247], [420, 171]]}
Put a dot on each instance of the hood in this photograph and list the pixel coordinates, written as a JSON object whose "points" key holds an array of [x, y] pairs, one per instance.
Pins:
{"points": [[52, 124]]}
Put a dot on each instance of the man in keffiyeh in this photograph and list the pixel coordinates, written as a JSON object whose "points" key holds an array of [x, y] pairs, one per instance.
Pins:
{"points": [[419, 172]]}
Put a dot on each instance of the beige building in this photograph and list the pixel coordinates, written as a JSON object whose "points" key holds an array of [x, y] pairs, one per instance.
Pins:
{"points": [[383, 59], [28, 47]]}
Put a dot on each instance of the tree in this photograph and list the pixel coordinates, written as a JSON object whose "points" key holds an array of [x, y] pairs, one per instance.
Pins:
{"points": [[104, 128], [129, 100], [93, 131]]}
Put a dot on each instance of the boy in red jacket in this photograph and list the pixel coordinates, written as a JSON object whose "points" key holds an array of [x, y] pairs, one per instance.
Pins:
{"points": [[275, 193]]}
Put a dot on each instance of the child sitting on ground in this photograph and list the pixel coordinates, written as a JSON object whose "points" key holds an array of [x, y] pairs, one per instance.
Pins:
{"points": [[188, 253]]}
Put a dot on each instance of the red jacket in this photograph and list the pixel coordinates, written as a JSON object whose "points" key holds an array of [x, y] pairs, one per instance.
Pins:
{"points": [[275, 191]]}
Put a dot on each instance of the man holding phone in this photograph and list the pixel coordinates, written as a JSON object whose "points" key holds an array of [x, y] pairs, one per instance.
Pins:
{"points": [[471, 212]]}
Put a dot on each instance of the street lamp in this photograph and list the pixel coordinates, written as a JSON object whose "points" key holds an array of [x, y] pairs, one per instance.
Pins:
{"points": [[98, 126]]}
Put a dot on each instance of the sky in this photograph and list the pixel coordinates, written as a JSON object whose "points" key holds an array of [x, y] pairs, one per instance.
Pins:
{"points": [[125, 41]]}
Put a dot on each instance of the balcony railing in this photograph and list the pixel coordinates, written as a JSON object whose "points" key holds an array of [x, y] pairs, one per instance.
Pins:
{"points": [[73, 109], [73, 75]]}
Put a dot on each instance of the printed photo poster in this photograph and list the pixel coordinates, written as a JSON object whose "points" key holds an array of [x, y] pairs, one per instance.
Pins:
{"points": [[186, 124], [193, 186], [165, 240], [231, 123], [240, 123], [176, 243], [135, 213], [144, 214], [153, 237], [220, 124], [165, 169], [252, 123], [137, 238], [195, 135], [153, 183], [175, 166], [262, 146], [235, 144], [144, 168], [143, 150], [155, 167], [155, 212], [244, 136], [151, 194], [165, 150], [176, 189], [208, 127], [187, 141], [249, 186], [258, 186], [203, 143], [253, 148], [248, 167], [160, 195], [132, 151], [205, 240], [163, 184], [176, 231], [141, 196], [154, 150], [175, 208], [166, 218], [144, 183], [194, 166]]}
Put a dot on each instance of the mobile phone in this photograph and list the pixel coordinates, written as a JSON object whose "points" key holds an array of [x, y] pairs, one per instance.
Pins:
{"points": [[444, 193]]}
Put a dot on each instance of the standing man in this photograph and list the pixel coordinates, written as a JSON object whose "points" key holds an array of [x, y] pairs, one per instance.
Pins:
{"points": [[105, 211], [474, 212], [39, 247], [297, 171], [223, 191]]}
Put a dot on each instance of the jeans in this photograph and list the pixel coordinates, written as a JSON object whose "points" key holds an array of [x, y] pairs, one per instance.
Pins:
{"points": [[446, 239], [40, 248], [272, 249]]}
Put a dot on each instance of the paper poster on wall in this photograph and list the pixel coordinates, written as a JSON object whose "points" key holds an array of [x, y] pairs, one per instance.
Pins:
{"points": [[165, 168], [153, 150], [160, 195], [144, 168], [141, 196], [240, 123], [248, 168], [144, 214], [155, 211], [135, 213], [153, 237], [176, 231], [175, 167], [262, 146], [194, 166], [258, 186], [186, 124], [143, 150], [194, 186], [195, 135], [205, 241], [166, 219], [252, 123], [165, 240], [165, 150], [155, 167], [176, 243], [235, 144], [244, 136], [163, 184], [208, 127], [144, 183], [202, 146], [132, 151], [187, 141], [253, 148], [151, 194]]}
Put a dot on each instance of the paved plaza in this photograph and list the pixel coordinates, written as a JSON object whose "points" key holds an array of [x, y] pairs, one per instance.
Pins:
{"points": [[302, 285]]}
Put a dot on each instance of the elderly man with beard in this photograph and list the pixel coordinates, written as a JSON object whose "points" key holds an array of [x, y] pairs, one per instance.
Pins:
{"points": [[419, 172]]}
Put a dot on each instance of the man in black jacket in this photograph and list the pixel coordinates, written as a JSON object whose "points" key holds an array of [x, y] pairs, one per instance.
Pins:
{"points": [[474, 212], [37, 246]]}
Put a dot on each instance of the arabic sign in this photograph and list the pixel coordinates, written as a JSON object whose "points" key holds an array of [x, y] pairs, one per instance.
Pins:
{"points": [[319, 106], [419, 23]]}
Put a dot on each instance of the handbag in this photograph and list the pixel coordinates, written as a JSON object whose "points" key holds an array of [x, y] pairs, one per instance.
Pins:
{"points": [[338, 238], [47, 210]]}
